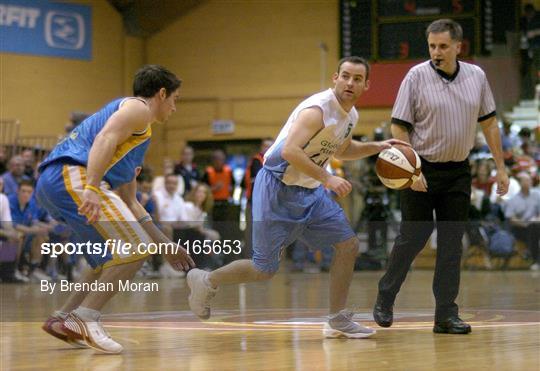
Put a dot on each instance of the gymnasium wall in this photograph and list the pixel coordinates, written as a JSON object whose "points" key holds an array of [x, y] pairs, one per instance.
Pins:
{"points": [[247, 61], [251, 62], [42, 91]]}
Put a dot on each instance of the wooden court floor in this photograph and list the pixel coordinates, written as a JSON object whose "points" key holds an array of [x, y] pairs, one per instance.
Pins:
{"points": [[276, 325]]}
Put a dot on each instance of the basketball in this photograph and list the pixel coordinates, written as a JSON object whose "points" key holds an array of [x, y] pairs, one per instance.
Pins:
{"points": [[398, 167]]}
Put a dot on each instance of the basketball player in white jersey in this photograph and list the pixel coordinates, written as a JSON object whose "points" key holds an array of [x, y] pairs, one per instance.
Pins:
{"points": [[291, 199]]}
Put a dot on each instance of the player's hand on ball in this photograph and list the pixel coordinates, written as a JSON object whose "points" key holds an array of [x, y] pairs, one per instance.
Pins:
{"points": [[90, 205], [338, 185], [420, 185], [385, 144], [180, 260]]}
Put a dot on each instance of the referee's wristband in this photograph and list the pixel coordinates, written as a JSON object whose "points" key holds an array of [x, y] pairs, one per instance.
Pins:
{"points": [[144, 219], [92, 188]]}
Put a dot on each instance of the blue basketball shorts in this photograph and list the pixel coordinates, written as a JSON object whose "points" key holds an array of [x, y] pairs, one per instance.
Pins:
{"points": [[283, 214], [59, 190]]}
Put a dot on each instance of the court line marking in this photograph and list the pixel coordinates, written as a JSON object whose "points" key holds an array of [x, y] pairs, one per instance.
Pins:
{"points": [[253, 327]]}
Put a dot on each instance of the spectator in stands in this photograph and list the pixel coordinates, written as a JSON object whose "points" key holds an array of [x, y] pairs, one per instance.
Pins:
{"points": [[219, 177], [14, 175], [26, 218], [9, 242], [523, 212], [198, 205], [158, 184], [29, 160], [170, 208], [483, 180], [509, 141], [187, 169], [145, 196]]}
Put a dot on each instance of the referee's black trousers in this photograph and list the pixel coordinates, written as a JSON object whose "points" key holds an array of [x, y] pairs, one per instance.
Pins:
{"points": [[448, 197]]}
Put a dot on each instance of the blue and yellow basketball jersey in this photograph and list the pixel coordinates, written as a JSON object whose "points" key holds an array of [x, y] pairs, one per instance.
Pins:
{"points": [[75, 148]]}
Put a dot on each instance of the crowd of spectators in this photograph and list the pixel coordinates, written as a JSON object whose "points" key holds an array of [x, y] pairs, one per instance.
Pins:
{"points": [[192, 203]]}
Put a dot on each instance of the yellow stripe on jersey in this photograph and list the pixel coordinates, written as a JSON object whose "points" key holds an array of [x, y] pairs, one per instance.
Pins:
{"points": [[136, 139]]}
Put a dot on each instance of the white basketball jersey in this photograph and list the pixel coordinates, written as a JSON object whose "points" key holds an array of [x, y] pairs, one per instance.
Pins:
{"points": [[338, 126]]}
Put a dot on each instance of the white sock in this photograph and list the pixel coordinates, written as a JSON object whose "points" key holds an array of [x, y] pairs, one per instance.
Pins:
{"points": [[88, 314], [334, 315], [60, 314]]}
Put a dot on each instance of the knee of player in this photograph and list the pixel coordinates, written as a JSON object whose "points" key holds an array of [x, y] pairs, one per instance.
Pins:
{"points": [[348, 247], [265, 275]]}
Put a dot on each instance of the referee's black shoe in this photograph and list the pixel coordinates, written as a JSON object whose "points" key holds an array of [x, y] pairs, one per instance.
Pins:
{"points": [[383, 313], [453, 325]]}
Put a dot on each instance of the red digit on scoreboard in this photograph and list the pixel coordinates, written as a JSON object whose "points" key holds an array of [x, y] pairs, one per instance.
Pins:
{"points": [[457, 6], [410, 6], [403, 50]]}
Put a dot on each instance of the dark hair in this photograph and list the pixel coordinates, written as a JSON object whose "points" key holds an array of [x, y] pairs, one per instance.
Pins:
{"points": [[443, 25], [151, 78], [355, 60], [25, 182]]}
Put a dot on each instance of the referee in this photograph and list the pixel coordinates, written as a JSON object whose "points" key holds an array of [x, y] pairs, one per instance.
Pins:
{"points": [[436, 110]]}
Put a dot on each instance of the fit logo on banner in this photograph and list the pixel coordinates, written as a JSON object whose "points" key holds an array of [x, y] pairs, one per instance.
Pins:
{"points": [[43, 27], [64, 30], [18, 16]]}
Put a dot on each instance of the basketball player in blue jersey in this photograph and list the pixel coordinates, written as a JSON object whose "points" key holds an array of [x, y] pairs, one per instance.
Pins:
{"points": [[291, 202], [76, 185]]}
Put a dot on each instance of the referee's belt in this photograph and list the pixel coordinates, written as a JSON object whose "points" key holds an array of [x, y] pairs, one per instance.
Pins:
{"points": [[449, 165]]}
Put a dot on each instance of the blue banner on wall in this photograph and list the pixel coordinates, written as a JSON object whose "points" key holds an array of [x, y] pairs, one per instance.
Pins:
{"points": [[41, 27]]}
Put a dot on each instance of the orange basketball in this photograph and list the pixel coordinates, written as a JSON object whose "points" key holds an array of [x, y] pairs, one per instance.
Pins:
{"points": [[398, 167]]}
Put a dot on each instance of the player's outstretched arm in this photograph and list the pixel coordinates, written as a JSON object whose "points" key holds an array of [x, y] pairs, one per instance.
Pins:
{"points": [[132, 117], [179, 259], [355, 150]]}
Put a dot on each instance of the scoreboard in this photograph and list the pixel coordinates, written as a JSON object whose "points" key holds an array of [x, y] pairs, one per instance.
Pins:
{"points": [[395, 29]]}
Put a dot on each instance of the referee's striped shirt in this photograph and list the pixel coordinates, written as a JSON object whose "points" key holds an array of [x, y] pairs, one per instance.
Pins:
{"points": [[441, 111]]}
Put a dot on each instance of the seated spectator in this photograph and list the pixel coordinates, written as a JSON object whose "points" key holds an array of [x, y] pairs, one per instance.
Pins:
{"points": [[187, 169], [170, 210], [158, 184], [9, 242], [29, 159], [483, 180], [523, 212], [146, 198], [198, 204], [14, 175], [509, 141], [31, 222]]}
